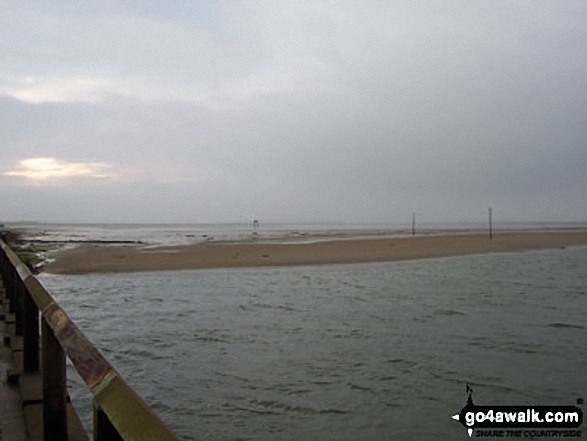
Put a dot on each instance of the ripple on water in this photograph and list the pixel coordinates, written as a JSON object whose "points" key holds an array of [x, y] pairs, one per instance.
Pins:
{"points": [[340, 352]]}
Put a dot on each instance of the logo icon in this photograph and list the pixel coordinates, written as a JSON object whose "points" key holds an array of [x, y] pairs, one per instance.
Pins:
{"points": [[517, 418]]}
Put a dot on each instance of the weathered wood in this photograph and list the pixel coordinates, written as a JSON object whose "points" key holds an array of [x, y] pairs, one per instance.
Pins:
{"points": [[30, 334], [10, 287], [89, 363], [19, 306], [121, 414], [54, 387]]}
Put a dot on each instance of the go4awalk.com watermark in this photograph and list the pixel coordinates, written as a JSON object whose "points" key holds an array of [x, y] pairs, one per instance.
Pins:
{"points": [[520, 421]]}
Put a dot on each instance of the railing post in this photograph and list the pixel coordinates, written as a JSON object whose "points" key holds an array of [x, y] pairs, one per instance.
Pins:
{"points": [[3, 265], [30, 334], [54, 387], [18, 304], [103, 428], [119, 406], [10, 287]]}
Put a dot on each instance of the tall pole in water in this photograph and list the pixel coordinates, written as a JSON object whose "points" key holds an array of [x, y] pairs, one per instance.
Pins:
{"points": [[413, 223], [490, 224]]}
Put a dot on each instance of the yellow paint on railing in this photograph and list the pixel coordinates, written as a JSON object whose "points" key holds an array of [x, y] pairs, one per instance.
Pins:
{"points": [[129, 414], [40, 296], [133, 419]]}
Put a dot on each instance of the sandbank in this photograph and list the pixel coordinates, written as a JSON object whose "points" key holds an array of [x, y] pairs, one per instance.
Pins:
{"points": [[96, 258]]}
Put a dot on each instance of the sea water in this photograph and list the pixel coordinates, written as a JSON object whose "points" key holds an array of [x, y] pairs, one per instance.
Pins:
{"points": [[341, 352], [181, 234]]}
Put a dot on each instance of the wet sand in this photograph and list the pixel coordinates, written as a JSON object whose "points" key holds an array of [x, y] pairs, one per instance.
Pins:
{"points": [[92, 258]]}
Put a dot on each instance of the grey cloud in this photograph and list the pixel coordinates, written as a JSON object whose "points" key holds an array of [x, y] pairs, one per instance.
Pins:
{"points": [[307, 111]]}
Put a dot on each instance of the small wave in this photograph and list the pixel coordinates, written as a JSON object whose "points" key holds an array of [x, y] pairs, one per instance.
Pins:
{"points": [[448, 312], [163, 345], [520, 350], [483, 384], [359, 387], [125, 354], [353, 334], [272, 406], [565, 325], [87, 306], [324, 382], [261, 305], [388, 378], [298, 393], [268, 306], [402, 361], [210, 338]]}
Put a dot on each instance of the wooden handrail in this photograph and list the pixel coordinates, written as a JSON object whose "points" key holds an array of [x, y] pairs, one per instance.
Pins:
{"points": [[120, 414]]}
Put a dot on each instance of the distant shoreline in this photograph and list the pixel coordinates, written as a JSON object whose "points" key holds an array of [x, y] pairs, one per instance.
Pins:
{"points": [[103, 258]]}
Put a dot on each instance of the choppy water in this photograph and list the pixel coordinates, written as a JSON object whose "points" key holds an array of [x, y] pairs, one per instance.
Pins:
{"points": [[344, 352]]}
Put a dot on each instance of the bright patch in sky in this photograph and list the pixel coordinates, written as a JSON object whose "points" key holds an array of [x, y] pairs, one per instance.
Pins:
{"points": [[50, 170], [61, 90]]}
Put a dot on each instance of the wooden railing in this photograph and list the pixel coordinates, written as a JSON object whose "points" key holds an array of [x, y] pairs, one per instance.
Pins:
{"points": [[119, 413]]}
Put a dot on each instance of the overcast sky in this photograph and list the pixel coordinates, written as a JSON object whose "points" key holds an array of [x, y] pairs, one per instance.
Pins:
{"points": [[305, 111]]}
